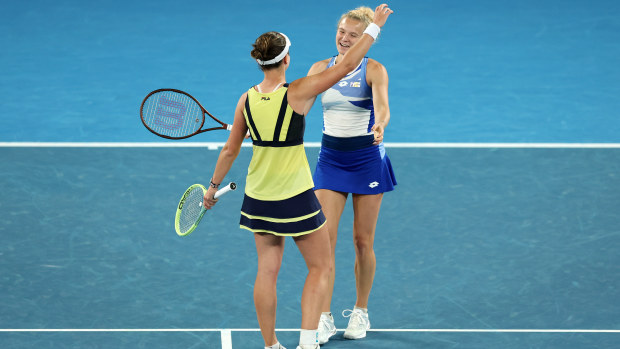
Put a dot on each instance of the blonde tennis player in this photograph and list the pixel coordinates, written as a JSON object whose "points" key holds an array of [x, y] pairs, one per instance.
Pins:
{"points": [[353, 160]]}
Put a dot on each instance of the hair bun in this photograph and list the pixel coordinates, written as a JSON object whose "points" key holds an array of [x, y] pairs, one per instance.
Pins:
{"points": [[268, 46]]}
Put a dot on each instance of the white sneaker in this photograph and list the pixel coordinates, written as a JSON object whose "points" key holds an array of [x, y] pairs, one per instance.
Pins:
{"points": [[308, 346], [358, 324], [326, 328]]}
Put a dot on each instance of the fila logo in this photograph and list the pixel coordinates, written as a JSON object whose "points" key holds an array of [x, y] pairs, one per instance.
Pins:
{"points": [[343, 83], [373, 184], [265, 99]]}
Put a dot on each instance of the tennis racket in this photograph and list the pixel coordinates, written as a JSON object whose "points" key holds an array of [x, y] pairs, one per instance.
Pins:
{"points": [[175, 114], [191, 210]]}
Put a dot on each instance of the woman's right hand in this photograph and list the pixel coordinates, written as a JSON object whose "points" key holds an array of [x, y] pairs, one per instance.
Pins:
{"points": [[382, 12], [208, 199]]}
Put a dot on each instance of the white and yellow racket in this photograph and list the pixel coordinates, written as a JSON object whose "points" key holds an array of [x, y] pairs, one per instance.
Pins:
{"points": [[190, 209]]}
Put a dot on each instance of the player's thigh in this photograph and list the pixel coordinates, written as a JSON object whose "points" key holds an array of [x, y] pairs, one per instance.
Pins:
{"points": [[332, 203], [366, 213], [269, 249], [315, 248]]}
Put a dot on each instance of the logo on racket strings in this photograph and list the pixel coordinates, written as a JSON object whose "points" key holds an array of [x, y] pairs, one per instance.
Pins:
{"points": [[169, 113], [184, 198]]}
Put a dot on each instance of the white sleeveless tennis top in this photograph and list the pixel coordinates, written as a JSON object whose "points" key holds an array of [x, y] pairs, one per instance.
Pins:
{"points": [[348, 110]]}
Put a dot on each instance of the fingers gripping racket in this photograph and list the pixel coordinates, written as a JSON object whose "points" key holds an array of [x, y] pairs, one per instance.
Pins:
{"points": [[175, 114], [191, 210]]}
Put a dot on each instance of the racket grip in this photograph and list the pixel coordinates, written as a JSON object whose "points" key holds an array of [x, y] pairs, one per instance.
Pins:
{"points": [[224, 190]]}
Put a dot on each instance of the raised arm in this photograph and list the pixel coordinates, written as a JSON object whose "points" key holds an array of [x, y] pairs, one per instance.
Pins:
{"points": [[304, 90]]}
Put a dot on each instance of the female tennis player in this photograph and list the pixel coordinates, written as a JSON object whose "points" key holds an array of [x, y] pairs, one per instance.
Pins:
{"points": [[352, 160], [279, 198]]}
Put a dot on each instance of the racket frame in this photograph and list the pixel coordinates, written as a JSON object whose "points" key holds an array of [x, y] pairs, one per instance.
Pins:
{"points": [[231, 186], [224, 126]]}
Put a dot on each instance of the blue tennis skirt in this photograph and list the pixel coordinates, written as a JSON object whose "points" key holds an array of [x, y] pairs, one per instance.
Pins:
{"points": [[353, 165], [295, 216]]}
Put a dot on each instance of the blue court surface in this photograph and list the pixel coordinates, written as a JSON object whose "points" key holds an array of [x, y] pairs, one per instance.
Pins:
{"points": [[473, 239], [503, 231]]}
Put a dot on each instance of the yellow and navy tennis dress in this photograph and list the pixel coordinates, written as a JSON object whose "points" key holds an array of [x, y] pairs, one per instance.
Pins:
{"points": [[279, 197]]}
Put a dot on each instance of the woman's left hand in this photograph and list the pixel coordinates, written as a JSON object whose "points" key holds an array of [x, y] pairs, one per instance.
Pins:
{"points": [[378, 130]]}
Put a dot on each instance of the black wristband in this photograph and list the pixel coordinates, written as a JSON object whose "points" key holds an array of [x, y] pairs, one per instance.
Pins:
{"points": [[213, 185]]}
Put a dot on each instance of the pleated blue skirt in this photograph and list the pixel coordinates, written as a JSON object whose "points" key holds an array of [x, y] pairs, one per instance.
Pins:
{"points": [[353, 165]]}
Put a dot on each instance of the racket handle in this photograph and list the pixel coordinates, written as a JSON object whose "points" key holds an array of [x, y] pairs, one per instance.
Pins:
{"points": [[229, 127], [224, 190]]}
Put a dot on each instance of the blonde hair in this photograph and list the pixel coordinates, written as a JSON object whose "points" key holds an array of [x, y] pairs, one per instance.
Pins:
{"points": [[362, 14]]}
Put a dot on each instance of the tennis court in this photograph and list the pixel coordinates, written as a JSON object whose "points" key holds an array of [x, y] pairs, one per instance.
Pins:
{"points": [[502, 231], [484, 239]]}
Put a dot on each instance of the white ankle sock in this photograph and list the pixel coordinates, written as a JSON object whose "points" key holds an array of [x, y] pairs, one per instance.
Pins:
{"points": [[275, 346], [308, 337], [365, 310]]}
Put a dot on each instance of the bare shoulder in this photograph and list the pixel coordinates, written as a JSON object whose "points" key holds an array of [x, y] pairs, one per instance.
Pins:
{"points": [[375, 67], [376, 72], [318, 67], [242, 99], [315, 69]]}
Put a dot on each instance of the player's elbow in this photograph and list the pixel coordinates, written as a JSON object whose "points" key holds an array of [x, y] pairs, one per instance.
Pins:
{"points": [[231, 151]]}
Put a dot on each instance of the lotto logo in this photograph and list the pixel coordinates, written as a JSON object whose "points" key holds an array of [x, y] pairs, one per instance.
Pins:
{"points": [[343, 83], [373, 184]]}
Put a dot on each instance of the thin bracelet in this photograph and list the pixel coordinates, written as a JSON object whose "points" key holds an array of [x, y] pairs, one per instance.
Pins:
{"points": [[213, 185]]}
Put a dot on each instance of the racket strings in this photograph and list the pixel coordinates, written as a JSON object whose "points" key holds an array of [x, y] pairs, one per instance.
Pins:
{"points": [[191, 211], [172, 114]]}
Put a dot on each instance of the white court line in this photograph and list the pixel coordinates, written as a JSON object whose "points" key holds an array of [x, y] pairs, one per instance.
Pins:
{"points": [[216, 145], [226, 339], [226, 333]]}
